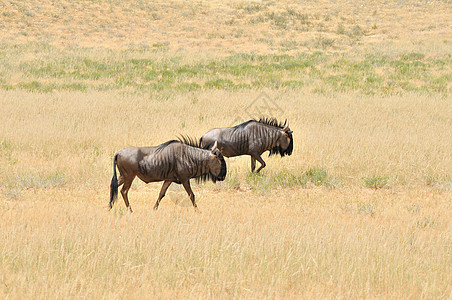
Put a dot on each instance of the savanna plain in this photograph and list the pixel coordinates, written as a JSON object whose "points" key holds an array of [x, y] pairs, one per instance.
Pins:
{"points": [[361, 209]]}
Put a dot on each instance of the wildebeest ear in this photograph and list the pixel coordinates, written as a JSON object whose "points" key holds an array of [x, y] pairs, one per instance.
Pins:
{"points": [[286, 125], [214, 147]]}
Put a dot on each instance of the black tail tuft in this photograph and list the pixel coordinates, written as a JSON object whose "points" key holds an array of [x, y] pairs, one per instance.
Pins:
{"points": [[114, 184]]}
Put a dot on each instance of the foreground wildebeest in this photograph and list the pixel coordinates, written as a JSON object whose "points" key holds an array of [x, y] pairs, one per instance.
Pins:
{"points": [[173, 161], [252, 138]]}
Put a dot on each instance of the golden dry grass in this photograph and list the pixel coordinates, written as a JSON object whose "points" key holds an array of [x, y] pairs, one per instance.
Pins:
{"points": [[301, 243], [252, 240], [222, 27], [362, 209], [403, 137]]}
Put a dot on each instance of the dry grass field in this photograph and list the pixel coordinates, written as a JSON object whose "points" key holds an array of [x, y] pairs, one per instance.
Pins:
{"points": [[362, 209], [224, 27]]}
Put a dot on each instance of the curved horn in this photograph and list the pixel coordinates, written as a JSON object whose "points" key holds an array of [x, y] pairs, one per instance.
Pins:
{"points": [[214, 147], [286, 125]]}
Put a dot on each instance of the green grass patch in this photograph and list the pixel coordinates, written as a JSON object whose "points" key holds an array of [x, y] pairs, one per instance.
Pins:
{"points": [[317, 176], [36, 86], [320, 177], [266, 182], [376, 182], [219, 84], [140, 68]]}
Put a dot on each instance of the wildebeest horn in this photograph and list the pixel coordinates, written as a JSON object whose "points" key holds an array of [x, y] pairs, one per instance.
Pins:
{"points": [[286, 125], [214, 147]]}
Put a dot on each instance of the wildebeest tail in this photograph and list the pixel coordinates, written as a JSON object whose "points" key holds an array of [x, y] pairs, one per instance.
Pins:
{"points": [[114, 184]]}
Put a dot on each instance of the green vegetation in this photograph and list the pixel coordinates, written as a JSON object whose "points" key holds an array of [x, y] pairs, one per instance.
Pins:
{"points": [[376, 182], [319, 177], [268, 181], [142, 69]]}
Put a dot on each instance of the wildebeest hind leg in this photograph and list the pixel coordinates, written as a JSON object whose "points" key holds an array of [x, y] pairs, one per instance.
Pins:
{"points": [[125, 189], [165, 186], [253, 164], [190, 193]]}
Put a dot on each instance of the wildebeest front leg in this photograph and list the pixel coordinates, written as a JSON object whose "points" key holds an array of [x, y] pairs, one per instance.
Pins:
{"points": [[162, 193], [253, 164], [262, 162], [190, 193]]}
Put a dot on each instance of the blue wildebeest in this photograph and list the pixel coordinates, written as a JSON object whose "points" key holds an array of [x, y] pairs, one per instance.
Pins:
{"points": [[252, 138], [173, 161]]}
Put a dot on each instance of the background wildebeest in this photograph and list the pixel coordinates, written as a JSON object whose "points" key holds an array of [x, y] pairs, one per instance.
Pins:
{"points": [[173, 161], [252, 138]]}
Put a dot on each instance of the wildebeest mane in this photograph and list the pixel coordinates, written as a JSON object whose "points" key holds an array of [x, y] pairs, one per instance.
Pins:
{"points": [[165, 144], [270, 122], [182, 139], [263, 120], [242, 125], [190, 141]]}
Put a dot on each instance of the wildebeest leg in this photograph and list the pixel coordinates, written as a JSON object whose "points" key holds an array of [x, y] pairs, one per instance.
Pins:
{"points": [[253, 164], [259, 159], [190, 193], [165, 186], [125, 189]]}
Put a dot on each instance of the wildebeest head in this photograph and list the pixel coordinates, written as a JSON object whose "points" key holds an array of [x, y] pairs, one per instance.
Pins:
{"points": [[216, 164], [284, 143]]}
